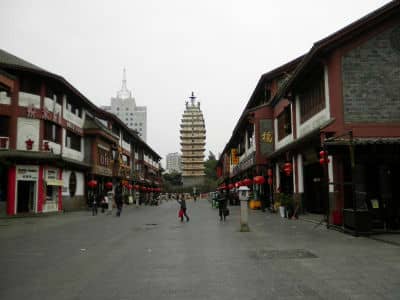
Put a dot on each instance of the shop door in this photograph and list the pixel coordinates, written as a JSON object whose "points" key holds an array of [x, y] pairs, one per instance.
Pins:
{"points": [[389, 178], [3, 190], [315, 189], [26, 196]]}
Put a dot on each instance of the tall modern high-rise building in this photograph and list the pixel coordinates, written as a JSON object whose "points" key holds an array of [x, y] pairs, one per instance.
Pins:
{"points": [[174, 161], [124, 107], [193, 141]]}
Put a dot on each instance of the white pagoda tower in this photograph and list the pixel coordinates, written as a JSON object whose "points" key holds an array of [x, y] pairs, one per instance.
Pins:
{"points": [[193, 141]]}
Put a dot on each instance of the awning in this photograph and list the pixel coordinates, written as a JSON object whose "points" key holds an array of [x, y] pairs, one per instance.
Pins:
{"points": [[57, 182], [363, 141]]}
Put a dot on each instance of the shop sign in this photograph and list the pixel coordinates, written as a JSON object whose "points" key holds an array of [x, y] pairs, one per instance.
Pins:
{"points": [[27, 173], [56, 182], [234, 156], [74, 128], [51, 174], [52, 178], [245, 164], [266, 137], [43, 113]]}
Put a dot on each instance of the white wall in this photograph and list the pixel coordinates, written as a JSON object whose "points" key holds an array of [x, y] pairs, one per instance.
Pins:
{"points": [[27, 129], [80, 182]]}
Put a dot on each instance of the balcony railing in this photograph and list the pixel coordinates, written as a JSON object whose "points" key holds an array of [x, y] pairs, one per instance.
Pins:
{"points": [[4, 142], [52, 105], [26, 99], [73, 118]]}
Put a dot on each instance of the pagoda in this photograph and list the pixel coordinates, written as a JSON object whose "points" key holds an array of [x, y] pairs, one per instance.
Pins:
{"points": [[193, 141]]}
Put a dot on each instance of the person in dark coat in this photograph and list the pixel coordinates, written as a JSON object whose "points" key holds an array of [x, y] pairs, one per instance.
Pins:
{"points": [[222, 206], [181, 200], [118, 200]]}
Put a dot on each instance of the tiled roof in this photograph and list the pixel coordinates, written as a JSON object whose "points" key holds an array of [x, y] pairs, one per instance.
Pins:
{"points": [[9, 59]]}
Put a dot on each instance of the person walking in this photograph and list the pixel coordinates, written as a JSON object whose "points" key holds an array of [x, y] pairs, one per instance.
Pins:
{"points": [[222, 206], [93, 200], [118, 200], [104, 202], [182, 203]]}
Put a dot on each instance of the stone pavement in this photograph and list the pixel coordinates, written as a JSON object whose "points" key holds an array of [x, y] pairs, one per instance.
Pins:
{"points": [[149, 254]]}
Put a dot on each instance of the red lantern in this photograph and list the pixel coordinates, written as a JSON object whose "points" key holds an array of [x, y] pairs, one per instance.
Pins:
{"points": [[109, 185], [269, 172], [269, 180], [92, 183], [130, 186], [136, 187], [247, 182], [259, 180], [231, 186], [323, 157], [287, 168]]}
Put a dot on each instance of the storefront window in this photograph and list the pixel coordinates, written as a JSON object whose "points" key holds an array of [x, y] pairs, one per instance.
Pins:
{"points": [[49, 193]]}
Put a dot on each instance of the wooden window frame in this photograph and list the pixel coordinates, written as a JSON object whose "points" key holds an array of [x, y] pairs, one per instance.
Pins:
{"points": [[284, 121], [312, 99]]}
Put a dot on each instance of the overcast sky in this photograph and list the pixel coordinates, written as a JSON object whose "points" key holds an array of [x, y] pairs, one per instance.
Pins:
{"points": [[216, 48]]}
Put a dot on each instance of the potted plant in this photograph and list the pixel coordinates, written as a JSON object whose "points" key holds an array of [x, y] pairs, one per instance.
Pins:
{"points": [[286, 205]]}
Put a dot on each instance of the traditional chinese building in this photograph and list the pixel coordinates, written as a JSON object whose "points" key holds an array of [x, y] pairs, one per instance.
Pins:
{"points": [[245, 154], [53, 140], [335, 116], [193, 136]]}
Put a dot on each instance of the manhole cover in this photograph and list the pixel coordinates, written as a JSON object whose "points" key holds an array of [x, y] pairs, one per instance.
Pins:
{"points": [[284, 254]]}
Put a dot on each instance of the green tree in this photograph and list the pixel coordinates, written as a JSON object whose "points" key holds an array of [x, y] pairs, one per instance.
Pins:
{"points": [[173, 178]]}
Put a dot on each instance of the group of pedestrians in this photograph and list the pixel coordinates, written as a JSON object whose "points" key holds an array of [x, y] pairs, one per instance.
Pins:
{"points": [[106, 203], [223, 210]]}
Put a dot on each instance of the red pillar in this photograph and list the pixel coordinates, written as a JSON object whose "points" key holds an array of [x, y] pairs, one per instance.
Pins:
{"points": [[40, 190], [60, 193], [12, 176]]}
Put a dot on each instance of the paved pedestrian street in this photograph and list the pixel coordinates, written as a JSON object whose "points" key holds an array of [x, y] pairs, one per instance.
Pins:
{"points": [[148, 254]]}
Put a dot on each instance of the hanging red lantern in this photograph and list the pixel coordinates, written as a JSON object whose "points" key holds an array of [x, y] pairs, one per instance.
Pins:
{"points": [[108, 185], [92, 183], [259, 180], [269, 172], [269, 180], [287, 168], [231, 186], [323, 157], [247, 182], [130, 186], [136, 187]]}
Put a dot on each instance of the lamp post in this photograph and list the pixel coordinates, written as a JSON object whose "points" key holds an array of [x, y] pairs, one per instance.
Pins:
{"points": [[244, 211]]}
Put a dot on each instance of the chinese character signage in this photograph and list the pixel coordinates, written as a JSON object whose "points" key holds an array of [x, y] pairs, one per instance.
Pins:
{"points": [[234, 156], [266, 137]]}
